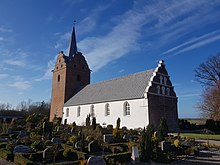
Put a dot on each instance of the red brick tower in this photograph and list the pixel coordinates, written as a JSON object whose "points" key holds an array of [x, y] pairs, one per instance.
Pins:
{"points": [[71, 73]]}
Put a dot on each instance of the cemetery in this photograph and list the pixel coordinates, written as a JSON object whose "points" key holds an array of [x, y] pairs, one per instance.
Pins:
{"points": [[37, 141]]}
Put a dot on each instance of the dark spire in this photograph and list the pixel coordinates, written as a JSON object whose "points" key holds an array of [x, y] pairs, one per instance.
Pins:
{"points": [[72, 46]]}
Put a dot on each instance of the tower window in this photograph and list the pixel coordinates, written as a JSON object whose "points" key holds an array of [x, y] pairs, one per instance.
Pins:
{"points": [[158, 89], [161, 79], [58, 78], [78, 78], [127, 109], [168, 91], [107, 109], [165, 81], [163, 90]]}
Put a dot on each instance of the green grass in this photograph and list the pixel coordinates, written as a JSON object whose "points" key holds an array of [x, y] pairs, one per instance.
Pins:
{"points": [[202, 136]]}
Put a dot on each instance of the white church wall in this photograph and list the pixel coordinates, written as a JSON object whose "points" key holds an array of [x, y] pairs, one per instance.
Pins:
{"points": [[138, 113]]}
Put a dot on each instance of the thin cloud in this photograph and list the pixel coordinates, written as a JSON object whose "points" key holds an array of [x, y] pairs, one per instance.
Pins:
{"points": [[21, 85], [3, 76], [5, 30], [195, 42], [48, 73], [20, 63]]}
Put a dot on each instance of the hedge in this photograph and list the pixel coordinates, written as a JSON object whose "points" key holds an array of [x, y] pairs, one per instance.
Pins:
{"points": [[6, 155], [21, 160], [79, 153], [118, 158]]}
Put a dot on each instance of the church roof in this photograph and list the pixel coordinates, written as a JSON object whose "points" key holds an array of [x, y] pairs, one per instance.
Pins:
{"points": [[124, 88]]}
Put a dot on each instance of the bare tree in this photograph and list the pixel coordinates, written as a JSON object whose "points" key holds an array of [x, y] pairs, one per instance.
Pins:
{"points": [[208, 73], [210, 103]]}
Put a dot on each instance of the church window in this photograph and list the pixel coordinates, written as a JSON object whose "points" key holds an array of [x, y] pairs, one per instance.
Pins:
{"points": [[158, 89], [78, 111], [163, 90], [58, 78], [161, 79], [92, 111], [107, 109], [78, 78], [57, 67], [165, 81], [168, 91], [67, 112], [126, 109], [56, 112]]}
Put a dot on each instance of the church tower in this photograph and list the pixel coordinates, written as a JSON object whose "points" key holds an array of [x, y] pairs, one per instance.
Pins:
{"points": [[70, 74]]}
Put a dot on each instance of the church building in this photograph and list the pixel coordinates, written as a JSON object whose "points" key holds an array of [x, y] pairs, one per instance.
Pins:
{"points": [[138, 99]]}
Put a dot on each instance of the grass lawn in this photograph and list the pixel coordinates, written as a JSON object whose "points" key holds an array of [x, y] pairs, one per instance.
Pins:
{"points": [[202, 136]]}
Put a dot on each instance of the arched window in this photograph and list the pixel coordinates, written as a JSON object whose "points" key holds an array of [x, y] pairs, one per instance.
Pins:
{"points": [[161, 79], [107, 109], [158, 89], [163, 90], [126, 109], [78, 111], [67, 112], [78, 78], [168, 91], [92, 111], [58, 78], [165, 81]]}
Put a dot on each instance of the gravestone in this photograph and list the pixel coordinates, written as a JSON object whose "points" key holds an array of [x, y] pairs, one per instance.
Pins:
{"points": [[165, 146], [56, 140], [22, 135], [108, 138], [9, 131], [21, 149], [135, 157], [95, 160], [94, 146], [126, 137], [124, 128], [78, 144], [48, 154]]}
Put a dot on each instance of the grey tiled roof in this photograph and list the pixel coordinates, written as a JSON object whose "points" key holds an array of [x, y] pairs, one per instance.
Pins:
{"points": [[123, 88]]}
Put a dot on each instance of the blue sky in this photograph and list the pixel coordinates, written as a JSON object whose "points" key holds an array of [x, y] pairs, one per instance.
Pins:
{"points": [[117, 38]]}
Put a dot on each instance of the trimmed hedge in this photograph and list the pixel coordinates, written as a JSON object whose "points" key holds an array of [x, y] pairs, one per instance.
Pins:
{"points": [[21, 160], [6, 155], [118, 158], [79, 153]]}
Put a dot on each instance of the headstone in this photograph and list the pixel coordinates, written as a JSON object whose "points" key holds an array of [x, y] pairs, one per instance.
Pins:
{"points": [[10, 131], [165, 146], [21, 149], [48, 154], [124, 128], [56, 140], [94, 146], [126, 137], [78, 144], [135, 155], [22, 134], [95, 160], [108, 138]]}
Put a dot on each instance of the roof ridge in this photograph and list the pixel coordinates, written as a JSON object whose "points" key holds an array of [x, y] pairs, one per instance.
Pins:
{"points": [[113, 79]]}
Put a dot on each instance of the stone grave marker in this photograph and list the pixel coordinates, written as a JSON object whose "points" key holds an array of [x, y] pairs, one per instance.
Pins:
{"points": [[56, 140], [165, 146], [135, 157], [78, 144], [94, 146], [48, 154], [108, 138], [95, 160], [21, 149]]}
